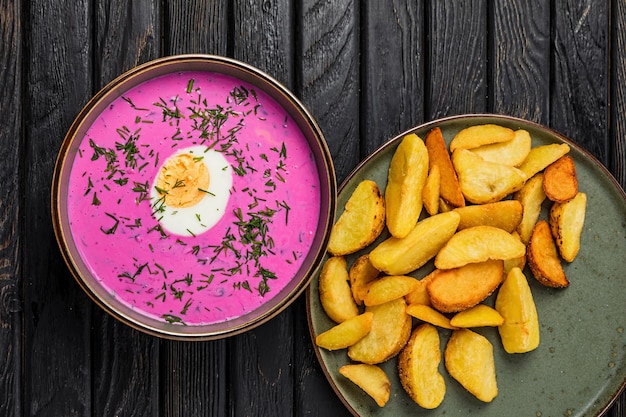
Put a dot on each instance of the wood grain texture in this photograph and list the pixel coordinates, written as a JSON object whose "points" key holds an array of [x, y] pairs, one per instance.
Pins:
{"points": [[456, 65], [124, 361], [520, 59], [11, 32], [56, 312], [197, 27], [579, 96], [328, 73], [392, 70], [617, 154]]}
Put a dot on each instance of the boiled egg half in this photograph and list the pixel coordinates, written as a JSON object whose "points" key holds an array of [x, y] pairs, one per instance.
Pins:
{"points": [[191, 190]]}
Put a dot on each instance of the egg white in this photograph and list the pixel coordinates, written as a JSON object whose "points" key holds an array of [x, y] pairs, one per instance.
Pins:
{"points": [[197, 219]]}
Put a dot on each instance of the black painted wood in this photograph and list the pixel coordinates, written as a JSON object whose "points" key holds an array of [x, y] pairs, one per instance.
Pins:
{"points": [[366, 70]]}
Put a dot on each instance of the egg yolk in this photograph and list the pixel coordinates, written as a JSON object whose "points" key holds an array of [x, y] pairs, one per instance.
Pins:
{"points": [[183, 181]]}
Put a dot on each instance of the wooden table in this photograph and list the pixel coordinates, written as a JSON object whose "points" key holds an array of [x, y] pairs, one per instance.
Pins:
{"points": [[366, 70]]}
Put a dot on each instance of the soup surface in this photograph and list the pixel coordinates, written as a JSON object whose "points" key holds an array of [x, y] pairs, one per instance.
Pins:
{"points": [[194, 198]]}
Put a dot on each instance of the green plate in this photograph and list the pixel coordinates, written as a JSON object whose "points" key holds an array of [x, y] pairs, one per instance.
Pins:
{"points": [[579, 368]]}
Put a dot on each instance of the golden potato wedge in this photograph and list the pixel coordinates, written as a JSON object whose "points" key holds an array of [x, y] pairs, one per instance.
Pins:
{"points": [[512, 152], [532, 197], [362, 220], [519, 262], [444, 206], [560, 182], [371, 379], [505, 214], [430, 194], [478, 244], [408, 171], [480, 315], [420, 295], [361, 273], [543, 258], [449, 188], [418, 368], [542, 156], [469, 360], [483, 181], [479, 135], [429, 315], [347, 333], [389, 288], [520, 330], [400, 256], [566, 222], [453, 290], [391, 329], [334, 290]]}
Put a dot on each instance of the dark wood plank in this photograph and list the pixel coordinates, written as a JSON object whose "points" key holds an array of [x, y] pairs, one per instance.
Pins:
{"points": [[328, 74], [197, 27], [392, 91], [194, 375], [261, 369], [125, 362], [520, 59], [328, 71], [580, 95], [57, 314], [618, 97], [11, 32], [456, 65]]}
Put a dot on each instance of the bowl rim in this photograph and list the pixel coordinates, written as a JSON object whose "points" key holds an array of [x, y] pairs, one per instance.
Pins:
{"points": [[278, 92]]}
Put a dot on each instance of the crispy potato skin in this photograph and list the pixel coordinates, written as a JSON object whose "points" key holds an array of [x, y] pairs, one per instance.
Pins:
{"points": [[543, 258], [438, 155], [361, 222], [371, 379], [560, 182], [418, 365], [408, 171], [458, 289]]}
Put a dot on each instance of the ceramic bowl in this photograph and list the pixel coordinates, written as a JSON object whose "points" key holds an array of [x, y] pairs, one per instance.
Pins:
{"points": [[193, 276]]}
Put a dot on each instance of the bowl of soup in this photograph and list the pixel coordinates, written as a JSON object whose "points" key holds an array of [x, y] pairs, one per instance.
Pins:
{"points": [[193, 197]]}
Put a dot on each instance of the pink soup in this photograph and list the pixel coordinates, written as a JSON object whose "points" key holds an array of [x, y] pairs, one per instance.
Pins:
{"points": [[220, 257]]}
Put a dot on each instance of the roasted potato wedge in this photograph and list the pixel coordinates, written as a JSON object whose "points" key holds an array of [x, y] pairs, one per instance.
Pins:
{"points": [[560, 182], [420, 295], [389, 288], [542, 156], [438, 155], [483, 181], [480, 315], [418, 367], [334, 290], [431, 192], [480, 135], [347, 333], [532, 197], [361, 273], [478, 244], [453, 290], [543, 259], [361, 222], [520, 330], [408, 171], [400, 256], [391, 329], [566, 222], [469, 360], [429, 315], [505, 214], [371, 379], [512, 152]]}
